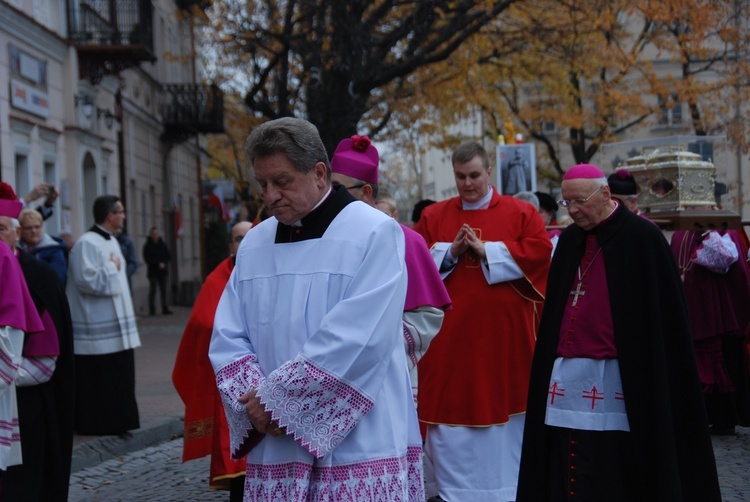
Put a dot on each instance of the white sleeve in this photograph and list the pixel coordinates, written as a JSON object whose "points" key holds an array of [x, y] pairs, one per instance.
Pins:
{"points": [[444, 261], [499, 265], [92, 274], [11, 347], [35, 370], [421, 326]]}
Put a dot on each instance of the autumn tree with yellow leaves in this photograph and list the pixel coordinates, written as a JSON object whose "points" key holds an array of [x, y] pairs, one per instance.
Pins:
{"points": [[574, 74]]}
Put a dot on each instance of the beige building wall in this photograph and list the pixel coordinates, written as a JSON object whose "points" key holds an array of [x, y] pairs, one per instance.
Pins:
{"points": [[83, 156]]}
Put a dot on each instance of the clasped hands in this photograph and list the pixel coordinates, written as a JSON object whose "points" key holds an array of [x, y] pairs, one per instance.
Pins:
{"points": [[467, 240], [258, 415]]}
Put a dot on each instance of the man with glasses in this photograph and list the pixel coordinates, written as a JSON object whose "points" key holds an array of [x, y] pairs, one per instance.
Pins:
{"points": [[355, 166], [614, 406], [104, 326], [493, 254]]}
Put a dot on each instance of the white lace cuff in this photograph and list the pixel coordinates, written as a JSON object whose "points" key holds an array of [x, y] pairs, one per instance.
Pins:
{"points": [[234, 380], [316, 407]]}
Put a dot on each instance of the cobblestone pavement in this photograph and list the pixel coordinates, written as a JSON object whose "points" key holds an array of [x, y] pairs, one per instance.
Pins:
{"points": [[156, 474]]}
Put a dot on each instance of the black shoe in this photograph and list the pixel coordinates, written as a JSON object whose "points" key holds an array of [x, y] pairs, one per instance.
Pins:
{"points": [[167, 312]]}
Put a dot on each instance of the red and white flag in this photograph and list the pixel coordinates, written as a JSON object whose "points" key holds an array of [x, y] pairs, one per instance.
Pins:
{"points": [[216, 199]]}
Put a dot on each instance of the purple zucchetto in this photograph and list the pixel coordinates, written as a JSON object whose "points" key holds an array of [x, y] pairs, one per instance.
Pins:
{"points": [[356, 157], [10, 206], [583, 171]]}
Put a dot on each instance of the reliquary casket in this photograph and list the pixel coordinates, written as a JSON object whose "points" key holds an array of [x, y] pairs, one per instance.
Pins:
{"points": [[673, 180]]}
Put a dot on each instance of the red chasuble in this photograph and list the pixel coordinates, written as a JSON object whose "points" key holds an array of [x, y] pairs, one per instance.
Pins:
{"points": [[206, 429], [476, 371]]}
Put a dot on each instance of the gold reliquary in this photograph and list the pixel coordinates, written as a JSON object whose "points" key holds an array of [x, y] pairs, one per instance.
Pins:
{"points": [[671, 179]]}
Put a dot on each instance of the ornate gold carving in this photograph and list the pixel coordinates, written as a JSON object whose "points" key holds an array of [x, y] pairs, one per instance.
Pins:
{"points": [[673, 179]]}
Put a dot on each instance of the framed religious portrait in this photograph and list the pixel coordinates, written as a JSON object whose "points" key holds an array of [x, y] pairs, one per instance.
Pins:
{"points": [[516, 168]]}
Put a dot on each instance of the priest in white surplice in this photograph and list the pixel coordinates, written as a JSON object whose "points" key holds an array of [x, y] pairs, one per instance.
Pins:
{"points": [[307, 343]]}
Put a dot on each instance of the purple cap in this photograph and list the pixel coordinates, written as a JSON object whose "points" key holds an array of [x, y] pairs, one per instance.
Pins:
{"points": [[356, 157], [10, 206], [583, 171]]}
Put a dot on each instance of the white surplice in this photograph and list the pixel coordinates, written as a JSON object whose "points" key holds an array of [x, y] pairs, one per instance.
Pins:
{"points": [[101, 308], [11, 347], [315, 326]]}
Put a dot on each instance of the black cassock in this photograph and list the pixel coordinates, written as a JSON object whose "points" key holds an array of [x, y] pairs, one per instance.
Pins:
{"points": [[669, 436]]}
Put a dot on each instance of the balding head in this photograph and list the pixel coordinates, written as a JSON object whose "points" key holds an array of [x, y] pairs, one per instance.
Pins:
{"points": [[238, 232]]}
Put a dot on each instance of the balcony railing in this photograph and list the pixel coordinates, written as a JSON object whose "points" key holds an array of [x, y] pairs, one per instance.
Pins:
{"points": [[111, 35], [192, 109]]}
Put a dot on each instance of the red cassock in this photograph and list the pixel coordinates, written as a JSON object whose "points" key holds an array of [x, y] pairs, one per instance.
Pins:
{"points": [[476, 371], [206, 429]]}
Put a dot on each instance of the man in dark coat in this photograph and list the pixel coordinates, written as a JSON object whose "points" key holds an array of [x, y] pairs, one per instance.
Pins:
{"points": [[614, 409], [157, 257]]}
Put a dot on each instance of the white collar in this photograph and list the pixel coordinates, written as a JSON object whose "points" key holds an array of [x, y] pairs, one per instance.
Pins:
{"points": [[483, 202]]}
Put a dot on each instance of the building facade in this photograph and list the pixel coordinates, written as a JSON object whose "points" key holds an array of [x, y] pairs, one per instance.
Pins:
{"points": [[104, 97]]}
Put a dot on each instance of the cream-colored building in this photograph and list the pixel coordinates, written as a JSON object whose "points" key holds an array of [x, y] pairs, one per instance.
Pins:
{"points": [[102, 97]]}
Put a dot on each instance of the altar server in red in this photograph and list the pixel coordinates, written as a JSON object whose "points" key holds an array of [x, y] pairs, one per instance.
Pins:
{"points": [[493, 253]]}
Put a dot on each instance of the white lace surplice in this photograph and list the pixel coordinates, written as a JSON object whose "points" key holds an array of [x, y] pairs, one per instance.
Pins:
{"points": [[11, 346], [316, 327]]}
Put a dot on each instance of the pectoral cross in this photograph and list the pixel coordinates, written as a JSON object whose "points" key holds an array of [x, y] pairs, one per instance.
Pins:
{"points": [[576, 293]]}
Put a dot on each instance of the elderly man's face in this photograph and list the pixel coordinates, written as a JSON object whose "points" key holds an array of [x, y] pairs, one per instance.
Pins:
{"points": [[289, 194], [472, 179], [590, 213], [8, 234]]}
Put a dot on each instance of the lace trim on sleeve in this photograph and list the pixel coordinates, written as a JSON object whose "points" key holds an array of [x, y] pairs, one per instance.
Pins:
{"points": [[318, 408], [234, 380]]}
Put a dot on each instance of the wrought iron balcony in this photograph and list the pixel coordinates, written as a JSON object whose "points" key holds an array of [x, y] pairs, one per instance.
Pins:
{"points": [[192, 109], [110, 35]]}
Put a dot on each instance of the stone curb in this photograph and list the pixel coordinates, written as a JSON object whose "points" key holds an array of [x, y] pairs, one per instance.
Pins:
{"points": [[95, 451]]}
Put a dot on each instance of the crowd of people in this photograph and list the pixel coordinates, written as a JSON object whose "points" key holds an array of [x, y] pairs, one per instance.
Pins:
{"points": [[67, 335], [488, 351], [539, 369]]}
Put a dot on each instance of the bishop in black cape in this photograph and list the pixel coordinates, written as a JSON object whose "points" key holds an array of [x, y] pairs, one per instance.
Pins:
{"points": [[670, 435]]}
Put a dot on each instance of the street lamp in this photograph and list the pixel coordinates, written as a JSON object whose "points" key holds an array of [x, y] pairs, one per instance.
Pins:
{"points": [[87, 105], [109, 117]]}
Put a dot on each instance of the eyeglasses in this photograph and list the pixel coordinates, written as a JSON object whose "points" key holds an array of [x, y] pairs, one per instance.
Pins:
{"points": [[118, 212], [577, 202], [351, 187]]}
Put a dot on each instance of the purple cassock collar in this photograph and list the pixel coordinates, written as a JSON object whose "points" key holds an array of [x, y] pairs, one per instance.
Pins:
{"points": [[16, 307]]}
